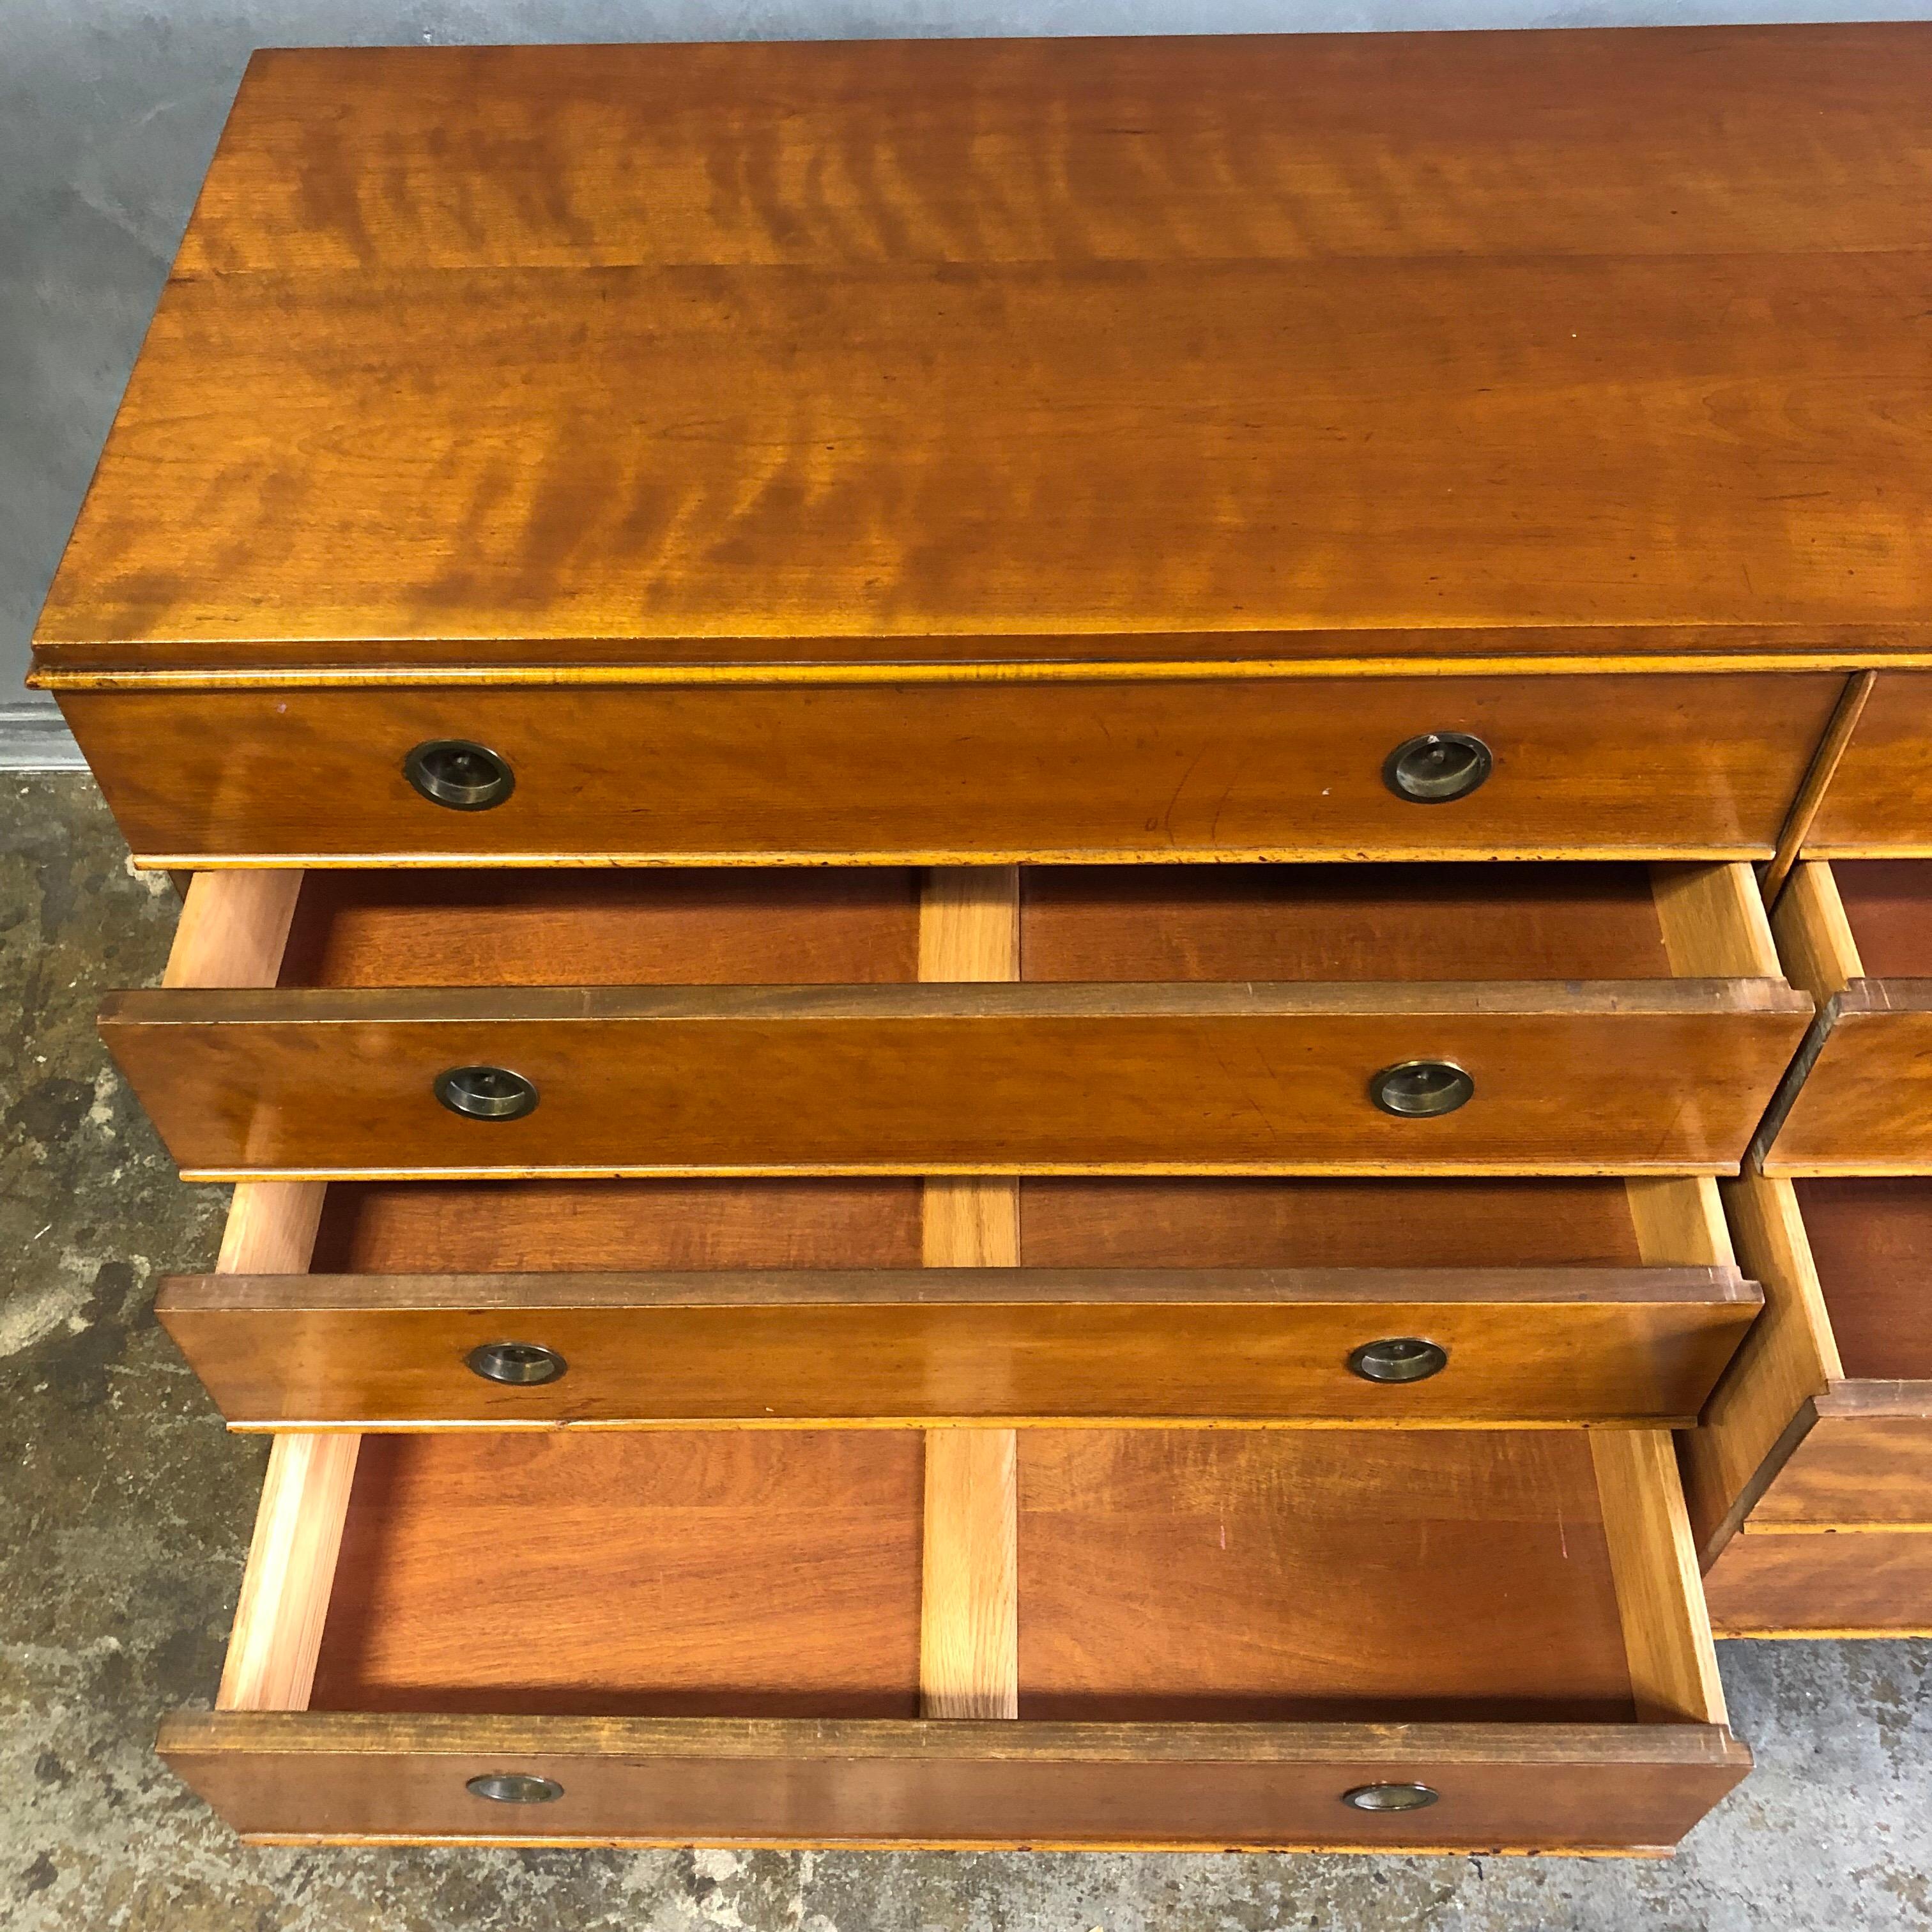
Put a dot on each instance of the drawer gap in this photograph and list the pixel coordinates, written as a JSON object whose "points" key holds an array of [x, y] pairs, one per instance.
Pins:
{"points": [[1403, 923], [1398, 922], [566, 926], [517, 1226], [829, 925], [485, 1227]]}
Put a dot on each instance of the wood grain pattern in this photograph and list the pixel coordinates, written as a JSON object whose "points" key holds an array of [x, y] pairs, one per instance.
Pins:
{"points": [[1161, 1535], [834, 925], [1815, 940], [1859, 1100], [877, 1347], [421, 1227], [352, 1778], [1887, 905], [985, 1079], [1879, 802], [1867, 1584], [1360, 922], [271, 1227], [1788, 1357], [1680, 1223], [855, 164], [568, 927], [1713, 922], [969, 923], [1673, 1670], [1871, 1242], [727, 1573], [1804, 809], [969, 1643], [763, 1658], [969, 929], [1314, 1222], [286, 1588], [1189, 1575], [1661, 766], [1864, 1460], [1854, 1100], [233, 929], [899, 388], [425, 1227]]}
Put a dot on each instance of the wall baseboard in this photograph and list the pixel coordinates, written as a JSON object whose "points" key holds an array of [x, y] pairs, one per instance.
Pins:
{"points": [[34, 738]]}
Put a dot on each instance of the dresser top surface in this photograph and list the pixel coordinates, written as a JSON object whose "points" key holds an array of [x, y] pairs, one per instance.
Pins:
{"points": [[1333, 346]]}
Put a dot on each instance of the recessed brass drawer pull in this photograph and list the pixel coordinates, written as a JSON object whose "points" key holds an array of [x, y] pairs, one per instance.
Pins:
{"points": [[1390, 1797], [460, 774], [518, 1787], [1437, 767], [486, 1093], [1420, 1089], [523, 1364], [1401, 1358]]}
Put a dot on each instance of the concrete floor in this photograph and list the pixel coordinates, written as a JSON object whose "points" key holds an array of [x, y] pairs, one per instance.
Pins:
{"points": [[125, 1516]]}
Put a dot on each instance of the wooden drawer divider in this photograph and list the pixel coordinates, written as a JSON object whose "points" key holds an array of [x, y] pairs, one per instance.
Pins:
{"points": [[969, 1662]]}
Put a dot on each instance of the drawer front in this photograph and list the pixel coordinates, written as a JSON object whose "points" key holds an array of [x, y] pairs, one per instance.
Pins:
{"points": [[1669, 766], [1665, 1077], [295, 1351], [1500, 1787], [1879, 798], [1866, 1460], [1848, 1583], [1859, 1100]]}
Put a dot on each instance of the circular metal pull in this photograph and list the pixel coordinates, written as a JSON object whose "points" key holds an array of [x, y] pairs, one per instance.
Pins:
{"points": [[1420, 1089], [522, 1363], [1390, 1797], [1401, 1358], [465, 777], [486, 1093], [515, 1787], [1436, 767]]}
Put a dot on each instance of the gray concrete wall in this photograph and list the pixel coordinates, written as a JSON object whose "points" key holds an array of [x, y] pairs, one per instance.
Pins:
{"points": [[109, 109]]}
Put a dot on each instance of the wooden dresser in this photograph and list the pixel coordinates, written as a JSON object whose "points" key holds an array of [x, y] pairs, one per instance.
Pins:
{"points": [[836, 719]]}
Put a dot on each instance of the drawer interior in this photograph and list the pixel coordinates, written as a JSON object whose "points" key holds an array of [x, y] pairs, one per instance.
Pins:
{"points": [[1167, 1574], [846, 925], [1888, 905], [487, 1227], [1871, 1242]]}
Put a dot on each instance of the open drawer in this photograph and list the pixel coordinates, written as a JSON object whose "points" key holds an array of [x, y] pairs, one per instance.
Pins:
{"points": [[1489, 1639], [1810, 1483], [1857, 935], [1230, 1019], [417, 1304]]}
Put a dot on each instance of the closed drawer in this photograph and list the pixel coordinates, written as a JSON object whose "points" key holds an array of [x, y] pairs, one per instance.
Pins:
{"points": [[998, 767], [538, 1304], [1810, 1483], [1858, 935], [1236, 1019], [1111, 1638]]}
